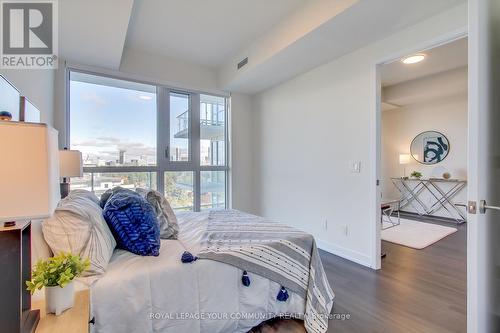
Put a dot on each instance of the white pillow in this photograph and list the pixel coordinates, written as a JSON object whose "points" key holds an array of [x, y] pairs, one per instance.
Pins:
{"points": [[78, 226], [40, 250]]}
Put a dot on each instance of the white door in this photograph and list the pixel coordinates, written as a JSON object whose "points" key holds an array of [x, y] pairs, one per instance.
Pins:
{"points": [[483, 251]]}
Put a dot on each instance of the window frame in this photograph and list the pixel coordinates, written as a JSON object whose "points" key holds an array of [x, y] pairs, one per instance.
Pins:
{"points": [[163, 163]]}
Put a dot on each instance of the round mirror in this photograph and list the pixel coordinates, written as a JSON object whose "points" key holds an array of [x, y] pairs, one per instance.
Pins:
{"points": [[430, 147]]}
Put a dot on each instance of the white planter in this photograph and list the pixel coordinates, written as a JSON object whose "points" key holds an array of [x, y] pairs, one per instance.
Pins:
{"points": [[58, 299]]}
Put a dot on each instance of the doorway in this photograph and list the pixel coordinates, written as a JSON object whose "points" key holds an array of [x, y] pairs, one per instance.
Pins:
{"points": [[422, 171]]}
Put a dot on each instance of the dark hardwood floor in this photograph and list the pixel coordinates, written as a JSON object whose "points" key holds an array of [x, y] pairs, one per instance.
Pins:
{"points": [[415, 291]]}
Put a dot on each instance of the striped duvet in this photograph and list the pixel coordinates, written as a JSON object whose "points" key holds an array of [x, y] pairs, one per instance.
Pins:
{"points": [[272, 250]]}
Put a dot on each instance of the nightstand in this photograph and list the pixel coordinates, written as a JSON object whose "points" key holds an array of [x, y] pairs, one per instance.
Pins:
{"points": [[16, 314], [74, 320]]}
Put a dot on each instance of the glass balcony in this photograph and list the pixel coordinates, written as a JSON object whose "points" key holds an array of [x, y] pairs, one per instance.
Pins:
{"points": [[210, 129]]}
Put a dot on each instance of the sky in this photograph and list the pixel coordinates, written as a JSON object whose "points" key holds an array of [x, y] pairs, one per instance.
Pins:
{"points": [[105, 119]]}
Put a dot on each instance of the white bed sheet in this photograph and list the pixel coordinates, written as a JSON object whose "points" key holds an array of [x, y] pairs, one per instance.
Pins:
{"points": [[136, 288]]}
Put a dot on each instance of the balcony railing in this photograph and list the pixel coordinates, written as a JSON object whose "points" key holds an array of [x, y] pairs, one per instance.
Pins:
{"points": [[182, 121], [183, 124]]}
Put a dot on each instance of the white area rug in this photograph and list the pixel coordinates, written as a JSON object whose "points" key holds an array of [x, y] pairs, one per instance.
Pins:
{"points": [[414, 234]]}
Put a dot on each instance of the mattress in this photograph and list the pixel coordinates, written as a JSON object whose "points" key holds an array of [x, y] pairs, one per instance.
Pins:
{"points": [[161, 294]]}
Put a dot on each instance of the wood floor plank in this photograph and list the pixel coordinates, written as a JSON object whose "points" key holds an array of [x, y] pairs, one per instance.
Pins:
{"points": [[416, 290]]}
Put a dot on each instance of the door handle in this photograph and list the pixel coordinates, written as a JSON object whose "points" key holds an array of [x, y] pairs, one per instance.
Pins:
{"points": [[167, 152], [483, 206]]}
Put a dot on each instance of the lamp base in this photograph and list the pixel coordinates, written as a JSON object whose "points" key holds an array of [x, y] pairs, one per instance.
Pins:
{"points": [[64, 190], [9, 224]]}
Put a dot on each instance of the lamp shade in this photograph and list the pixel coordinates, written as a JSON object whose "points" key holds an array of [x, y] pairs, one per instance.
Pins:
{"points": [[70, 163], [404, 158], [29, 170]]}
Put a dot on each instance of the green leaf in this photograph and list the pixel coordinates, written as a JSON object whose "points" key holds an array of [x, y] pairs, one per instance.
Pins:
{"points": [[59, 270]]}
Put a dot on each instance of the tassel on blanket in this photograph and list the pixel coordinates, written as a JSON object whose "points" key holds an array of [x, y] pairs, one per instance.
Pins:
{"points": [[282, 295], [187, 257], [245, 279]]}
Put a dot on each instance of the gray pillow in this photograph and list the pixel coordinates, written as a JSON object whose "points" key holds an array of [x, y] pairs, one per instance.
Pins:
{"points": [[169, 229]]}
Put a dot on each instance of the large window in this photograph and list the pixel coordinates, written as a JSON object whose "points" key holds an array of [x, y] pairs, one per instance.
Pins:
{"points": [[212, 130], [140, 135], [113, 122], [180, 127]]}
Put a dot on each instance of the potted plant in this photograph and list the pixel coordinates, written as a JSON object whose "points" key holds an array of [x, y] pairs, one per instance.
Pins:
{"points": [[56, 274], [416, 174]]}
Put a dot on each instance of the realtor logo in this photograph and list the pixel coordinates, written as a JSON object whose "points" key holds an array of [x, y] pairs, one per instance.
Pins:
{"points": [[29, 34]]}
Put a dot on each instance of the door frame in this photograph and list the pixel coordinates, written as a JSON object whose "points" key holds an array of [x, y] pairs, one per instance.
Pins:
{"points": [[376, 173]]}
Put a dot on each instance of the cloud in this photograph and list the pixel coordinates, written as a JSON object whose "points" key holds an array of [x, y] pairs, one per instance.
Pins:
{"points": [[107, 148], [93, 98], [108, 139]]}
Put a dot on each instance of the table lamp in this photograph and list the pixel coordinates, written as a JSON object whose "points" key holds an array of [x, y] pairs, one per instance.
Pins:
{"points": [[29, 171], [404, 159], [70, 165], [30, 175]]}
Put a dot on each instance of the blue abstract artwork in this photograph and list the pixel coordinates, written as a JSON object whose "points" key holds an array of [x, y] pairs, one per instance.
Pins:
{"points": [[435, 149]]}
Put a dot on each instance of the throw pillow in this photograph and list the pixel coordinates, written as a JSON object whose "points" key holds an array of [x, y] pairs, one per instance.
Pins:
{"points": [[78, 227], [133, 222], [167, 221]]}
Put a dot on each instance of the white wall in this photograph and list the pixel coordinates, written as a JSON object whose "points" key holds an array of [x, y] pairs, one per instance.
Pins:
{"points": [[60, 102], [169, 71], [400, 126], [38, 86], [310, 127], [436, 102], [242, 145]]}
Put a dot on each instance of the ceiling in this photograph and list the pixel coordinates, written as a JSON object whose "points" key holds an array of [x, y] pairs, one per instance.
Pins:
{"points": [[451, 84], [442, 74], [439, 59], [282, 38], [203, 32], [341, 34], [92, 32]]}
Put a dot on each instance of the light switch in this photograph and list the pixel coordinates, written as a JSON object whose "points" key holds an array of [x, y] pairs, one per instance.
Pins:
{"points": [[355, 167]]}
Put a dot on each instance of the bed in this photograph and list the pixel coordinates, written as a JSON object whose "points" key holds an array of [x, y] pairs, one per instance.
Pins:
{"points": [[160, 294], [140, 294]]}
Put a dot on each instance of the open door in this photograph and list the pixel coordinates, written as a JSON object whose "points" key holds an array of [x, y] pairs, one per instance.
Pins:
{"points": [[483, 301]]}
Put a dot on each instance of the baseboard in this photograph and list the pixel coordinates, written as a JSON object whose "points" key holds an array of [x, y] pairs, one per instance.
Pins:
{"points": [[345, 253]]}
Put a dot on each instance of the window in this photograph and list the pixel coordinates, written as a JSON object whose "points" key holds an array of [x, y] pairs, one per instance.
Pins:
{"points": [[112, 122], [100, 182], [179, 189], [141, 135], [213, 190], [212, 130], [179, 127]]}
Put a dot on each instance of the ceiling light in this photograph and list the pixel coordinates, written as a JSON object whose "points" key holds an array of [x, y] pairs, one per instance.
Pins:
{"points": [[413, 59], [146, 98]]}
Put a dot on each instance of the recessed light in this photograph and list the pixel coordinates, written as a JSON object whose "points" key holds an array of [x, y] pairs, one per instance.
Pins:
{"points": [[146, 98], [413, 59]]}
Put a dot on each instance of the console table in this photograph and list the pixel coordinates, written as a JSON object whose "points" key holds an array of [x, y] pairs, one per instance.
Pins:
{"points": [[441, 191], [390, 207]]}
